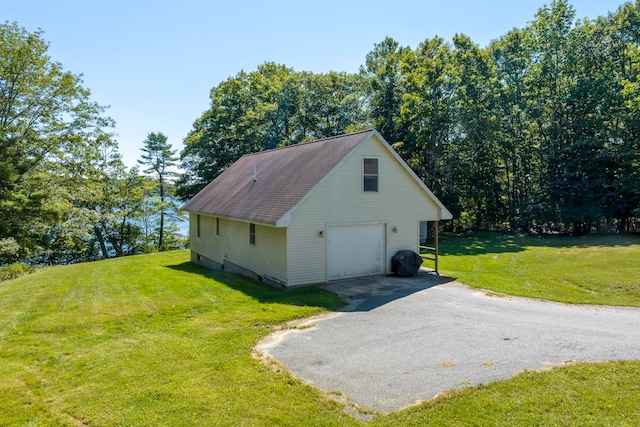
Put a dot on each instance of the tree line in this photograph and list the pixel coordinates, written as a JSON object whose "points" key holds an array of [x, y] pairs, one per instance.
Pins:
{"points": [[538, 130], [65, 194]]}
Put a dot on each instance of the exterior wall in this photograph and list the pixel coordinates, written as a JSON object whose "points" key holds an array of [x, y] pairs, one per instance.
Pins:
{"points": [[207, 244], [202, 260], [268, 257], [400, 203]]}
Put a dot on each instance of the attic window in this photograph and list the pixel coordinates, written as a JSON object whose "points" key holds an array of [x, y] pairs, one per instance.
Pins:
{"points": [[370, 175], [252, 234]]}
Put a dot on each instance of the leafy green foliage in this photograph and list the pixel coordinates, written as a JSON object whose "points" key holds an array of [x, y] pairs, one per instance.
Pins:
{"points": [[540, 129], [102, 199], [386, 88], [428, 110], [13, 271], [65, 195], [264, 109], [48, 126]]}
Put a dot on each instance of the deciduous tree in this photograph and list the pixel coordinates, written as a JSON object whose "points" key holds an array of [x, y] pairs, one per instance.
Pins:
{"points": [[46, 116]]}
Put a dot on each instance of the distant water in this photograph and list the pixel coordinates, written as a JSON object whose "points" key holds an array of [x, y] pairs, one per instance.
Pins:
{"points": [[183, 226]]}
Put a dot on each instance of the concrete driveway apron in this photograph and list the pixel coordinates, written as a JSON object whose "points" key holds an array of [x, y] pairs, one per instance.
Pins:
{"points": [[404, 340]]}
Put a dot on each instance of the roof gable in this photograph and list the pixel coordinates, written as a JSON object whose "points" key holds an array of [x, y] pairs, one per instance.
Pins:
{"points": [[267, 186], [444, 212], [283, 176]]}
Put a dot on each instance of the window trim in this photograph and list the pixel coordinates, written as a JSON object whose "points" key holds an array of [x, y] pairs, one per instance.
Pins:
{"points": [[252, 234], [198, 226], [370, 175], [217, 226]]}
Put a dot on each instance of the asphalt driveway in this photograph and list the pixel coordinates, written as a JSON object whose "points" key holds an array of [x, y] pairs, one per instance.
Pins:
{"points": [[405, 340]]}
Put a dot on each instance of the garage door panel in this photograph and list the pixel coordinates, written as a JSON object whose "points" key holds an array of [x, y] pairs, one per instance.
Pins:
{"points": [[355, 251]]}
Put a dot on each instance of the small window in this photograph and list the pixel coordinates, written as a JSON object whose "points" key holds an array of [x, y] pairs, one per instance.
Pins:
{"points": [[252, 234], [370, 174], [217, 226], [198, 226]]}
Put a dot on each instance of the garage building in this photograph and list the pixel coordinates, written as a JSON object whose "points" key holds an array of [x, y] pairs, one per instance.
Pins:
{"points": [[326, 210]]}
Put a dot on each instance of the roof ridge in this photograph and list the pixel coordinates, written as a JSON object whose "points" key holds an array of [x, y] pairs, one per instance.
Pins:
{"points": [[300, 144]]}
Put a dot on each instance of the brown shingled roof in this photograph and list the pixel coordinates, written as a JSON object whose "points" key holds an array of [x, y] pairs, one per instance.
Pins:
{"points": [[283, 177]]}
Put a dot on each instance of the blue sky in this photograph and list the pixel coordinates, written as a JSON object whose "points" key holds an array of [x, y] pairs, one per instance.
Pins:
{"points": [[154, 62]]}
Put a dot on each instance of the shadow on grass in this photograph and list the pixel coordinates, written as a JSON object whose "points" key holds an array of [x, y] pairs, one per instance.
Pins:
{"points": [[363, 294], [311, 296], [490, 242]]}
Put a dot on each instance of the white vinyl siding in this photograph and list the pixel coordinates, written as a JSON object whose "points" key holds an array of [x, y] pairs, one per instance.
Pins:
{"points": [[297, 254], [267, 257], [400, 203]]}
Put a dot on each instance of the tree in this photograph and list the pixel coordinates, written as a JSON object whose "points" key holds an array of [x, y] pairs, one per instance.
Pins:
{"points": [[87, 188], [427, 109], [159, 158], [539, 130], [219, 137], [480, 171], [513, 56], [45, 117], [330, 104], [383, 71], [103, 205], [270, 107], [574, 80]]}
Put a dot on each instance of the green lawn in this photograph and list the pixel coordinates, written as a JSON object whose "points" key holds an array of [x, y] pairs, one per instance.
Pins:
{"points": [[605, 394], [588, 270], [152, 340], [149, 340]]}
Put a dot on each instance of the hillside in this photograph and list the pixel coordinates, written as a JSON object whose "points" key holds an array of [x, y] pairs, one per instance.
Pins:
{"points": [[151, 340], [147, 340]]}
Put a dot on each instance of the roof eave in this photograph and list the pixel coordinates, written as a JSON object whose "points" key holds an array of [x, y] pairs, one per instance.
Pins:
{"points": [[285, 221], [233, 218]]}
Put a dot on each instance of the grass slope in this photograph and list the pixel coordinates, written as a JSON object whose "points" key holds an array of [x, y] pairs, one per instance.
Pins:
{"points": [[152, 340], [586, 270], [149, 340]]}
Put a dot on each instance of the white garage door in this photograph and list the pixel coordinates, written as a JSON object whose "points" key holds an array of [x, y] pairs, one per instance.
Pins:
{"points": [[355, 251]]}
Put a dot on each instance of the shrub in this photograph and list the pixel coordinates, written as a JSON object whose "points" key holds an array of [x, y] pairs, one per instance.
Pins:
{"points": [[14, 270], [9, 250]]}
